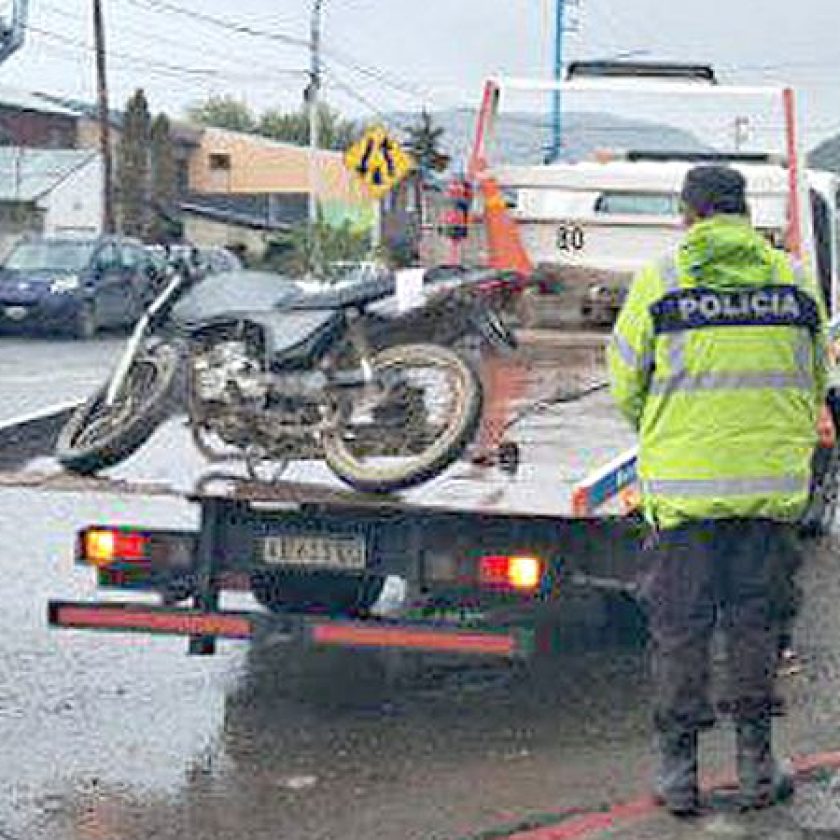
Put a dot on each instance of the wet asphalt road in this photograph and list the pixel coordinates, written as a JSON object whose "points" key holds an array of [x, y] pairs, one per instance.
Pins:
{"points": [[37, 372], [126, 737]]}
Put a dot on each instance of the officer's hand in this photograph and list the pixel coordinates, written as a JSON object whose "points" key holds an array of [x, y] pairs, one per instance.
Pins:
{"points": [[826, 432]]}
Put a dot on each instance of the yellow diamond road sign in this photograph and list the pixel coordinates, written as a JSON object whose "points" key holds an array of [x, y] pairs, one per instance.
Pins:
{"points": [[378, 160]]}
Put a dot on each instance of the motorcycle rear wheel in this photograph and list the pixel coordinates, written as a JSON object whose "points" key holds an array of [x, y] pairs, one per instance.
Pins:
{"points": [[98, 436], [341, 450]]}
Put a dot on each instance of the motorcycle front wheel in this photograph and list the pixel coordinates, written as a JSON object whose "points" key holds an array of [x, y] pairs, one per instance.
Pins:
{"points": [[426, 412], [99, 435]]}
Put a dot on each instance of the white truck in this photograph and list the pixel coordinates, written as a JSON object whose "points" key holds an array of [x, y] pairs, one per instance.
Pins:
{"points": [[593, 223]]}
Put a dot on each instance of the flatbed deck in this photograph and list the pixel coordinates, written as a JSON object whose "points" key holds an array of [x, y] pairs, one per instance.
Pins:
{"points": [[561, 443]]}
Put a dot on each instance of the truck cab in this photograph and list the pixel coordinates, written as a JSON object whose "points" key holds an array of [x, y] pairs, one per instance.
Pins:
{"points": [[596, 223]]}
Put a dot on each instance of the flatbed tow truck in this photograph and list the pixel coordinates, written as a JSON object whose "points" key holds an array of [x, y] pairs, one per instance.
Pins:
{"points": [[473, 562]]}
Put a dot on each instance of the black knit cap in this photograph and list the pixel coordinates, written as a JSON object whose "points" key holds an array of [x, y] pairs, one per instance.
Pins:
{"points": [[712, 189]]}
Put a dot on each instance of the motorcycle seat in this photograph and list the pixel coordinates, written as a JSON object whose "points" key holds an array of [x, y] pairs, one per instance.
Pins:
{"points": [[345, 296]]}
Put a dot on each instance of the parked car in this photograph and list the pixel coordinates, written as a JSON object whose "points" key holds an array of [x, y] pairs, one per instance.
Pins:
{"points": [[75, 285]]}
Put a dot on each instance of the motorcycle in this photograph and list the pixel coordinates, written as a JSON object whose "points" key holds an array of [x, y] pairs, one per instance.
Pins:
{"points": [[272, 370]]}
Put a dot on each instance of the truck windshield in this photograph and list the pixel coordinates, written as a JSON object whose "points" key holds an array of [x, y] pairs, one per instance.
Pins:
{"points": [[637, 204], [50, 256]]}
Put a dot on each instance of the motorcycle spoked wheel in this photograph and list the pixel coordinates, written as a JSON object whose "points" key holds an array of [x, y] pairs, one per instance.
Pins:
{"points": [[98, 436], [354, 453]]}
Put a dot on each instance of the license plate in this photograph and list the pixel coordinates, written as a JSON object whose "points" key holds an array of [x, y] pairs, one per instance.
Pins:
{"points": [[15, 313], [346, 553]]}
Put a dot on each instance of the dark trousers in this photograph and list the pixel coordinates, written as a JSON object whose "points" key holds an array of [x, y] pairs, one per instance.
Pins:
{"points": [[702, 575]]}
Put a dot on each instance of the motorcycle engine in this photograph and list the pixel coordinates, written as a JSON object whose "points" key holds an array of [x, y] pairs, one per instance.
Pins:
{"points": [[226, 373]]}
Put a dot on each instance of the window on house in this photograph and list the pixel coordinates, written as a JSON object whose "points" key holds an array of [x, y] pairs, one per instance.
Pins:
{"points": [[637, 204], [219, 161]]}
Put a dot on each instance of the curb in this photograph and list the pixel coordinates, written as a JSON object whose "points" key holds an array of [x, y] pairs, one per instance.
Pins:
{"points": [[32, 435], [575, 824]]}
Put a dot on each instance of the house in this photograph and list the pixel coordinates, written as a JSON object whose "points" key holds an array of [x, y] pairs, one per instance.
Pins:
{"points": [[245, 223], [185, 138], [233, 188], [230, 162], [30, 120], [54, 192]]}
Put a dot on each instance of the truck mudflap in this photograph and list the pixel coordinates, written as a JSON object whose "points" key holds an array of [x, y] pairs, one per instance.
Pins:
{"points": [[204, 627]]}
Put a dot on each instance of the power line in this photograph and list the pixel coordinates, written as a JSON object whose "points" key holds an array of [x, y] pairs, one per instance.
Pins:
{"points": [[179, 44], [134, 61], [384, 77], [354, 94], [177, 69], [222, 23]]}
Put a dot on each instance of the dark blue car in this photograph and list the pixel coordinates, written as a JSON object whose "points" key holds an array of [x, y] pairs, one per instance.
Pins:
{"points": [[74, 286]]}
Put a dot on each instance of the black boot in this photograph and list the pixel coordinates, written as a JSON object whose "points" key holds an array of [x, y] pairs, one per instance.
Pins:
{"points": [[676, 783], [761, 781]]}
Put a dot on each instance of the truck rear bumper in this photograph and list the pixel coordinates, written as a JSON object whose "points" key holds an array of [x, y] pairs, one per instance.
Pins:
{"points": [[203, 627]]}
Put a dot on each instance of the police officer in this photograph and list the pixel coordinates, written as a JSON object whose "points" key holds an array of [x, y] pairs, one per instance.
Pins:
{"points": [[717, 360]]}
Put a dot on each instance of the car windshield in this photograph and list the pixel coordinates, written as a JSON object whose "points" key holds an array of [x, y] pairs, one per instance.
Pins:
{"points": [[52, 256]]}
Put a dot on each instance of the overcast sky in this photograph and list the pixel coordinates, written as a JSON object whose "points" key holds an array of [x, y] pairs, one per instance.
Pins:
{"points": [[402, 54]]}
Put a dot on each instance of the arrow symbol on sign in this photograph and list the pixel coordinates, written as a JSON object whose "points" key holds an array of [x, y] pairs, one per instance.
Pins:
{"points": [[387, 154], [364, 162]]}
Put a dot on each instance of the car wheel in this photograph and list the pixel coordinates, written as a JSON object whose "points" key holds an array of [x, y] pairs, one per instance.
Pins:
{"points": [[84, 326]]}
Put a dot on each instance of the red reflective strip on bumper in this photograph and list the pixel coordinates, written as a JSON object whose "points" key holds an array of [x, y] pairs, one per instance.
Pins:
{"points": [[179, 622], [398, 637]]}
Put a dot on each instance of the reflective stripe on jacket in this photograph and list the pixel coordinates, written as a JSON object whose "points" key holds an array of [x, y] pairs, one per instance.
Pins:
{"points": [[717, 359]]}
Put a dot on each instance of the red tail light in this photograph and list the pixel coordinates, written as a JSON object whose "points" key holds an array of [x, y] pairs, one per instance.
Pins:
{"points": [[103, 546], [520, 572]]}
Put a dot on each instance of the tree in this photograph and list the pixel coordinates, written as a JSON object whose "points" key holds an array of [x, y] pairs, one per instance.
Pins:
{"points": [[224, 112], [318, 250], [334, 132], [423, 142], [164, 187], [133, 167], [285, 127]]}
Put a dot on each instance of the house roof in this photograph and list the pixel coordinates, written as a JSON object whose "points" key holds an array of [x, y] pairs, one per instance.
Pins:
{"points": [[25, 101], [268, 211], [28, 174], [267, 142], [181, 132]]}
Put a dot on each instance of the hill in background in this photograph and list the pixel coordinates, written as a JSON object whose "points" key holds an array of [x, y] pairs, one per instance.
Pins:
{"points": [[523, 138]]}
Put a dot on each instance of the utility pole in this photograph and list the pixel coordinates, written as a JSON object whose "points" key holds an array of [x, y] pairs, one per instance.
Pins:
{"points": [[108, 225], [556, 100], [312, 102]]}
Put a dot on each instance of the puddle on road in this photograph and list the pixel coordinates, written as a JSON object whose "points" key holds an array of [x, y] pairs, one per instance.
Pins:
{"points": [[81, 708], [106, 736]]}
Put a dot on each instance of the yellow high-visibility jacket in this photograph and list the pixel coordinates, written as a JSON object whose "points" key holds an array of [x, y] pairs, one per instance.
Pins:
{"points": [[718, 360]]}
